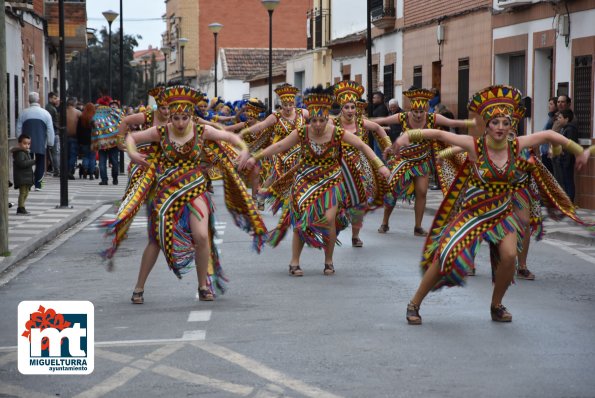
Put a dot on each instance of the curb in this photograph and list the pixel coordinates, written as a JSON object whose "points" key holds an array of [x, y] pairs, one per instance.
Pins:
{"points": [[35, 243]]}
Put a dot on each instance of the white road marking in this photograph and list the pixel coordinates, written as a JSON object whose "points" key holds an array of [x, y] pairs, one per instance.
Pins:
{"points": [[568, 249], [199, 316], [189, 377], [163, 352], [194, 335], [113, 356], [263, 371], [111, 383]]}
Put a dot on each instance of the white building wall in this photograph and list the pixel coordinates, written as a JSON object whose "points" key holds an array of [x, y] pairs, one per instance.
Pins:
{"points": [[302, 63], [358, 67], [232, 90], [347, 17], [581, 25], [389, 44]]}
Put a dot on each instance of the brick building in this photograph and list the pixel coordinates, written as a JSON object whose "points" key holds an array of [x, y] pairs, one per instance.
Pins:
{"points": [[245, 25]]}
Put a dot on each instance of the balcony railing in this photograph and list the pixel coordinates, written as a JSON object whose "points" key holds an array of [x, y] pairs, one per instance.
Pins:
{"points": [[383, 14]]}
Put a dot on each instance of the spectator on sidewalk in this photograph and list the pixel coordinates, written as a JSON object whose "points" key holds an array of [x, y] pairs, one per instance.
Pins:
{"points": [[54, 151], [22, 170], [379, 110], [395, 129], [566, 160], [546, 149], [36, 122], [72, 119], [435, 101], [83, 134]]}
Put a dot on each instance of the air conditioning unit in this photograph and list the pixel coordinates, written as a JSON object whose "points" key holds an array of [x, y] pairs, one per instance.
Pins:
{"points": [[504, 4]]}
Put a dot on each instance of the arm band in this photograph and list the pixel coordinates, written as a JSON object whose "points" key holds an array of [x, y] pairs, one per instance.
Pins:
{"points": [[592, 149], [130, 147], [385, 142], [447, 153], [257, 155], [415, 135], [242, 145], [468, 123], [556, 150], [245, 131], [573, 147], [376, 163]]}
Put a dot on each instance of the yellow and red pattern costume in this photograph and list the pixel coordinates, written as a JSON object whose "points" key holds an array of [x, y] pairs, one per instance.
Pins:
{"points": [[178, 179]]}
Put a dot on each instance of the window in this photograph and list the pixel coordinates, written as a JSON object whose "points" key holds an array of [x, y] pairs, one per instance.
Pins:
{"points": [[463, 89], [417, 77], [516, 71], [583, 87], [374, 78], [389, 81], [298, 80], [31, 78]]}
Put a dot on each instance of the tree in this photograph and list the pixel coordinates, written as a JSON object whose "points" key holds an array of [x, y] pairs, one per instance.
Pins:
{"points": [[99, 59]]}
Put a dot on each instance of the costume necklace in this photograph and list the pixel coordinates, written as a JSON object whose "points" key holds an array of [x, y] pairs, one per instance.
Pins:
{"points": [[495, 145]]}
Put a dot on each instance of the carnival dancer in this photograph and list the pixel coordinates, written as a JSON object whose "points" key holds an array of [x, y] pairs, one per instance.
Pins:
{"points": [[253, 110], [282, 123], [479, 204], [317, 194], [365, 192], [409, 175], [181, 220]]}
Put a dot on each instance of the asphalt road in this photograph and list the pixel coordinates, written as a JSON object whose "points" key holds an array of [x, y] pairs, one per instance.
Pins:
{"points": [[272, 335]]}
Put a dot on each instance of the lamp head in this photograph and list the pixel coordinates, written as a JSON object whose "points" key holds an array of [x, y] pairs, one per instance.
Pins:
{"points": [[110, 16], [215, 27], [270, 5], [182, 41]]}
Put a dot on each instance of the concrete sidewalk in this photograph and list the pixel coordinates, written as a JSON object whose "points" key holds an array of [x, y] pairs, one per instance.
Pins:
{"points": [[27, 234]]}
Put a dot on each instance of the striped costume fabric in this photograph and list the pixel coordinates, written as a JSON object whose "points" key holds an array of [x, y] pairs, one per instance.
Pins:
{"points": [[485, 213], [317, 186], [284, 161], [417, 160]]}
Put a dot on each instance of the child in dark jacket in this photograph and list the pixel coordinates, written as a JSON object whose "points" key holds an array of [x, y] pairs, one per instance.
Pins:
{"points": [[23, 171]]}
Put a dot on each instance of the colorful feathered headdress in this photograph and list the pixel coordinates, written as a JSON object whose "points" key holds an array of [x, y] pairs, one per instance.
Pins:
{"points": [[254, 108], [157, 93], [495, 101], [319, 101], [286, 92], [348, 91], [419, 98], [181, 99]]}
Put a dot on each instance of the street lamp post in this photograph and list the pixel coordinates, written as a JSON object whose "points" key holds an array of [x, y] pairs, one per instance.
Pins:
{"points": [[165, 51], [182, 41], [270, 5], [110, 16], [90, 36], [215, 27]]}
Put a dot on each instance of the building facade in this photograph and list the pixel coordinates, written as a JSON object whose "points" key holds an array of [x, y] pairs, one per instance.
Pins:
{"points": [[245, 25]]}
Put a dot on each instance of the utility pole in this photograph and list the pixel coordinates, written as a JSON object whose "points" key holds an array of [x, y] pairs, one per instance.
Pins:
{"points": [[3, 139]]}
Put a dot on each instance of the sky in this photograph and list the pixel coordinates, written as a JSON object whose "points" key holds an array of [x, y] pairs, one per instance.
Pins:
{"points": [[141, 17]]}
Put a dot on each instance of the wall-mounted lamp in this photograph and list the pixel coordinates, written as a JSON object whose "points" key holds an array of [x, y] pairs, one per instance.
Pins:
{"points": [[440, 34], [564, 28]]}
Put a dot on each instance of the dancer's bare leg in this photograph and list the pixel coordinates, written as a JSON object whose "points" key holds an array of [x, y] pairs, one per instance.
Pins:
{"points": [[202, 244], [147, 263], [331, 215], [421, 191], [505, 271], [297, 245]]}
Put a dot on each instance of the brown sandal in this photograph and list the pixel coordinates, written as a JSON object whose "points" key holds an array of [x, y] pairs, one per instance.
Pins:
{"points": [[500, 314], [329, 269], [383, 229], [357, 242], [524, 273], [295, 270], [137, 297], [205, 294], [413, 317], [419, 232]]}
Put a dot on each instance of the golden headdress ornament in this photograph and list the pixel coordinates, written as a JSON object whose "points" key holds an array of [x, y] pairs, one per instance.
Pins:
{"points": [[517, 115], [419, 98], [319, 101], [347, 91], [181, 99], [254, 107], [157, 93], [286, 92], [495, 101]]}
